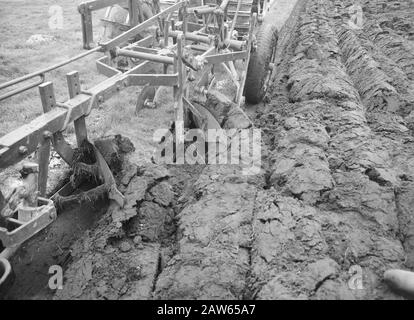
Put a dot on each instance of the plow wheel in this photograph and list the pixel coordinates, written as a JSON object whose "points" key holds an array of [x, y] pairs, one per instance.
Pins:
{"points": [[261, 62]]}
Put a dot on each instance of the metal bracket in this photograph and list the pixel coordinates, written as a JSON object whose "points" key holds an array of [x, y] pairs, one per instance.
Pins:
{"points": [[18, 231]]}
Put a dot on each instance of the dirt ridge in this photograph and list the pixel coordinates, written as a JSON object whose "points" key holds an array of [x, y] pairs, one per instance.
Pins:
{"points": [[334, 196]]}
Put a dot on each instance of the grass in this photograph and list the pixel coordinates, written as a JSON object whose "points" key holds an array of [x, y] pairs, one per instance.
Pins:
{"points": [[19, 20]]}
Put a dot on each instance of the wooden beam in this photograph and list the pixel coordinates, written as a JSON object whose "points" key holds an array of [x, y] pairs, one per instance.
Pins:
{"points": [[18, 144], [47, 95], [74, 88], [87, 32]]}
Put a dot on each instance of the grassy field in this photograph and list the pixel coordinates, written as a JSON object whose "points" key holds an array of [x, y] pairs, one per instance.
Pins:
{"points": [[21, 19]]}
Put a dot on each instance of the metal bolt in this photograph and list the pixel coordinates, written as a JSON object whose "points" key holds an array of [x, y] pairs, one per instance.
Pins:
{"points": [[23, 150]]}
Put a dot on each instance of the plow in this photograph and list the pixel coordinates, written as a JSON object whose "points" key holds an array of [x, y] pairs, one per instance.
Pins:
{"points": [[149, 45], [328, 215]]}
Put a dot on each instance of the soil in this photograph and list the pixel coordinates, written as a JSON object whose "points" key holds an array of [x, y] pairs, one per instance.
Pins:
{"points": [[335, 192], [50, 247]]}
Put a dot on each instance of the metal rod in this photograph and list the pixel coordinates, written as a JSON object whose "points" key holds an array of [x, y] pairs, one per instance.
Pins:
{"points": [[208, 52], [196, 9], [169, 80], [178, 99], [19, 90], [191, 37], [230, 73], [47, 96], [166, 29], [145, 56], [99, 4], [240, 93], [43, 71], [185, 19], [204, 10]]}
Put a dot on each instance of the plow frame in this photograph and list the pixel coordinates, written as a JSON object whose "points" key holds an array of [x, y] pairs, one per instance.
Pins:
{"points": [[212, 49]]}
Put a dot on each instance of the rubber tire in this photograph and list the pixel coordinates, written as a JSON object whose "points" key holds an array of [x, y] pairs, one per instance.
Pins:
{"points": [[266, 38]]}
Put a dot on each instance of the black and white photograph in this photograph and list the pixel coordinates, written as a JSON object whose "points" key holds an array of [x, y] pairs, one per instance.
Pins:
{"points": [[206, 156]]}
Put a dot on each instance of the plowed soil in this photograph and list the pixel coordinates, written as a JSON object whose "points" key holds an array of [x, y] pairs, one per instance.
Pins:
{"points": [[335, 193]]}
